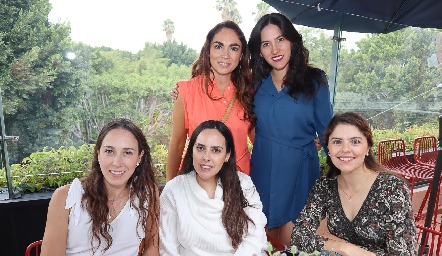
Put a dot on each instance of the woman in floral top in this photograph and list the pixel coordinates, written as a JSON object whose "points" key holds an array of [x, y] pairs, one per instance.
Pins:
{"points": [[368, 209]]}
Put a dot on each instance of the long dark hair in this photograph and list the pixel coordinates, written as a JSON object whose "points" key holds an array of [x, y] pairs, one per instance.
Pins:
{"points": [[241, 76], [142, 183], [234, 217], [300, 75], [351, 118]]}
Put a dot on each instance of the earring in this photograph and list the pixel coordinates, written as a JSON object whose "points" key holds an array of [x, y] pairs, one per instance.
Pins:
{"points": [[138, 164], [226, 160]]}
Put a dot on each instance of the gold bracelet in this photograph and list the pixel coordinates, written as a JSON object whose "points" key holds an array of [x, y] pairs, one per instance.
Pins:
{"points": [[333, 247]]}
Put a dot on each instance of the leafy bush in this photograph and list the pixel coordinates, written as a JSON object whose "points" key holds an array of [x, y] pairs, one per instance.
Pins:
{"points": [[50, 168]]}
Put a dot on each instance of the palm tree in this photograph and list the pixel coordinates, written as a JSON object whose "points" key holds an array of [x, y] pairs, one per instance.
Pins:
{"points": [[228, 10], [262, 9], [169, 28]]}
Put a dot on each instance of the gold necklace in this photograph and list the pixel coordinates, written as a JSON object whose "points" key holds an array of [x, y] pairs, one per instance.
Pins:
{"points": [[350, 197], [112, 211]]}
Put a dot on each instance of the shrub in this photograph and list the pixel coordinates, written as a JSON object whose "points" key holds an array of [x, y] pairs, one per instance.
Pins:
{"points": [[50, 168]]}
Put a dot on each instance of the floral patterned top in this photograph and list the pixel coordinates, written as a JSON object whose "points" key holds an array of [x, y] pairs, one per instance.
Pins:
{"points": [[384, 224]]}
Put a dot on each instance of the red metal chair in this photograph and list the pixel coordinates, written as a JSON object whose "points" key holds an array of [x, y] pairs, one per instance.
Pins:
{"points": [[33, 247], [391, 155], [433, 240], [425, 150]]}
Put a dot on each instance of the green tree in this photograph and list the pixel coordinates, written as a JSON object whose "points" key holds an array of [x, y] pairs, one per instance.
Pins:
{"points": [[178, 54], [319, 46], [130, 85], [439, 50], [393, 70], [39, 88], [169, 28]]}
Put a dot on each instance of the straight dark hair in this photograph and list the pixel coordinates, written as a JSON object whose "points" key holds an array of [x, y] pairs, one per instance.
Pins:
{"points": [[301, 75], [234, 218]]}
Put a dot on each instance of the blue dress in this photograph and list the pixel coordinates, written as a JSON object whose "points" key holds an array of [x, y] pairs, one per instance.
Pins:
{"points": [[284, 163]]}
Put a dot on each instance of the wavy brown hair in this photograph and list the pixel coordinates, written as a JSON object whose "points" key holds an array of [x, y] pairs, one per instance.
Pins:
{"points": [[301, 75], [241, 76], [351, 118], [234, 218], [142, 186]]}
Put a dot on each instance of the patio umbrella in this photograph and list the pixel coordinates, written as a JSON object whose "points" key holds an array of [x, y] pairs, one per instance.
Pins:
{"points": [[364, 16], [368, 16]]}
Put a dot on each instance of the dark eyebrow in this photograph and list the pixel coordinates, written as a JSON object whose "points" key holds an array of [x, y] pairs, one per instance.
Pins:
{"points": [[217, 42], [336, 138], [113, 148], [266, 41], [213, 147]]}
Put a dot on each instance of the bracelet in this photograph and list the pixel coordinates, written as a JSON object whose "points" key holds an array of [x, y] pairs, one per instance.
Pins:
{"points": [[333, 247]]}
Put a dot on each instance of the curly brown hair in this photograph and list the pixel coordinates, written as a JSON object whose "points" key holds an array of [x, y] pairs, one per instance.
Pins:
{"points": [[142, 186], [234, 218], [241, 75]]}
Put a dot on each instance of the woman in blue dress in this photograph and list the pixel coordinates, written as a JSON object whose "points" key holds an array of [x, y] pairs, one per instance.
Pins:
{"points": [[292, 105]]}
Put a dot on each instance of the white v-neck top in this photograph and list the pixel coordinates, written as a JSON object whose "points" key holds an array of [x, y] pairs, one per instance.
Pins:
{"points": [[123, 228]]}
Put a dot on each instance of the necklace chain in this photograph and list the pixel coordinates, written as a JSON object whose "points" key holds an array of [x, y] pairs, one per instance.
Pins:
{"points": [[350, 197], [112, 209]]}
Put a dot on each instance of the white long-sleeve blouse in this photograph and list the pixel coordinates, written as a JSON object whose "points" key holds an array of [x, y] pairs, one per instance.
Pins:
{"points": [[191, 224]]}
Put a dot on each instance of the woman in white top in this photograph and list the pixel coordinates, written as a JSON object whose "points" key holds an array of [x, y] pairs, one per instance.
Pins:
{"points": [[210, 208], [114, 210]]}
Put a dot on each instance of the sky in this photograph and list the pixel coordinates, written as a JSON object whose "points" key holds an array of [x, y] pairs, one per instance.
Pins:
{"points": [[129, 24]]}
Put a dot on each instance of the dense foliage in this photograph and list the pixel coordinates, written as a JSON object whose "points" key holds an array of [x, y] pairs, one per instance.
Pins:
{"points": [[50, 100], [52, 168], [55, 101]]}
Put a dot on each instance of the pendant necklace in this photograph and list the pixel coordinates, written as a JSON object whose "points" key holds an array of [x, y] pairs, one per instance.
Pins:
{"points": [[112, 210], [350, 197]]}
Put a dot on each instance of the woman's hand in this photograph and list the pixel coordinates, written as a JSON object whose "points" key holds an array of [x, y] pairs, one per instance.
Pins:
{"points": [[174, 93], [318, 143], [347, 249]]}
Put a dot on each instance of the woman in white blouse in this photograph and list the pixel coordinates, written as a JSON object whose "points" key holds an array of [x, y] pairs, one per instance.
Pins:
{"points": [[112, 211], [210, 208]]}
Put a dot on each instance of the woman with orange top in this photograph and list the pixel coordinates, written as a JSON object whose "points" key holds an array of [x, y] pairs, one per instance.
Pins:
{"points": [[218, 90]]}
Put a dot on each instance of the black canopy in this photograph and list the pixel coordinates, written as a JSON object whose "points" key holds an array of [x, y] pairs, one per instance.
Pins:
{"points": [[365, 16]]}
